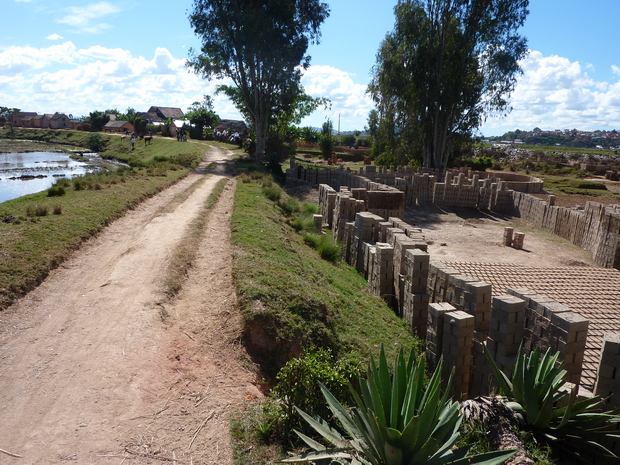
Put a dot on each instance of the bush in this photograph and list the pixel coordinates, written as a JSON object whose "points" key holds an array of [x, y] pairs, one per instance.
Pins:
{"points": [[289, 206], [96, 143], [56, 191], [272, 193], [298, 385], [326, 246], [36, 210]]}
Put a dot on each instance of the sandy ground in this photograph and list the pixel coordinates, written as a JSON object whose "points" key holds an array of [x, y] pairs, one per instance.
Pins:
{"points": [[96, 367]]}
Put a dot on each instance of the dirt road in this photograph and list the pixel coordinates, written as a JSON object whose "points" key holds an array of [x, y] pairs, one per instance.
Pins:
{"points": [[96, 367]]}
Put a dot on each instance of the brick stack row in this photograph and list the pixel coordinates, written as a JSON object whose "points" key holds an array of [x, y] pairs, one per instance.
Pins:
{"points": [[458, 335], [471, 295], [415, 297], [549, 324], [608, 377], [381, 281]]}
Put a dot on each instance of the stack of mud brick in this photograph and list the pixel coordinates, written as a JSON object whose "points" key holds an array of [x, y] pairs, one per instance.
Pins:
{"points": [[608, 379], [486, 194], [457, 191], [327, 203], [449, 335], [549, 324], [366, 227], [381, 280], [415, 298], [345, 208], [512, 239], [503, 199], [386, 203]]}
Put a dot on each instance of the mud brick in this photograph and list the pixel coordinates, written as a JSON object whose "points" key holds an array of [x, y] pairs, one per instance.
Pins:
{"points": [[553, 308], [539, 302], [611, 344], [608, 372], [570, 322], [508, 304], [577, 337]]}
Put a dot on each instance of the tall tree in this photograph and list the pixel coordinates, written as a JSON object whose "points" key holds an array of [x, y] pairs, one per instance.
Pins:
{"points": [[261, 46], [444, 68]]}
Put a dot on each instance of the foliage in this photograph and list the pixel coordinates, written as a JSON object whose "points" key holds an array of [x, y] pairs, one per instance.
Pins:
{"points": [[309, 134], [298, 386], [446, 65], [260, 47], [202, 116], [396, 420], [537, 394], [96, 143], [326, 139], [97, 120], [326, 246]]}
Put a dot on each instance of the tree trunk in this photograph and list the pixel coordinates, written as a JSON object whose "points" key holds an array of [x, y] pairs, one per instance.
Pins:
{"points": [[498, 420]]}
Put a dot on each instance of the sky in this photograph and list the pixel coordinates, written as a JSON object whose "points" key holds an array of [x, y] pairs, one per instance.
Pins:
{"points": [[75, 57]]}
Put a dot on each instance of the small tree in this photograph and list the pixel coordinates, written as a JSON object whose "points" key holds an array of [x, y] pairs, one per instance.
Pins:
{"points": [[326, 139], [202, 116]]}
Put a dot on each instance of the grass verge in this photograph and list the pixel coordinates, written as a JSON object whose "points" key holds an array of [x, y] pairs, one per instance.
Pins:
{"points": [[293, 301], [185, 251]]}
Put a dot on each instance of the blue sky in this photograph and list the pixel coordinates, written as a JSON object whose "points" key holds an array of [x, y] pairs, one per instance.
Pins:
{"points": [[76, 57]]}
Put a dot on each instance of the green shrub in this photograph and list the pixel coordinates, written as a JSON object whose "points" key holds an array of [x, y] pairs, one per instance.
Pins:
{"points": [[588, 185], [397, 419], [311, 208], [56, 191], [289, 205], [272, 193], [96, 143], [36, 210], [298, 386], [326, 246]]}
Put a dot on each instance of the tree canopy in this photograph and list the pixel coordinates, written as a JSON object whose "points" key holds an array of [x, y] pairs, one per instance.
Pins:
{"points": [[261, 46], [444, 68], [202, 116]]}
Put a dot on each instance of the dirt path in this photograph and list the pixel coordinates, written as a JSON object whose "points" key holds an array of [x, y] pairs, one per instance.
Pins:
{"points": [[94, 368]]}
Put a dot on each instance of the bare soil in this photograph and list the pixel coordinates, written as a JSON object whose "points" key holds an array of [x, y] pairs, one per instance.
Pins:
{"points": [[97, 367]]}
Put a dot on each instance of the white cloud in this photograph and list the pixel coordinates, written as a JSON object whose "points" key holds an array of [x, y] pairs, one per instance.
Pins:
{"points": [[54, 37], [555, 93], [615, 69], [99, 78], [349, 101], [84, 18]]}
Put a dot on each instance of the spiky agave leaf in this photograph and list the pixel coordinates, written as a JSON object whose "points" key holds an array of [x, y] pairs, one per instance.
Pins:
{"points": [[395, 421]]}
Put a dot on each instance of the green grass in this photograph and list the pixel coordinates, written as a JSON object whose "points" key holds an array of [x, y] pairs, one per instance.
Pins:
{"points": [[31, 246], [299, 299], [573, 186]]}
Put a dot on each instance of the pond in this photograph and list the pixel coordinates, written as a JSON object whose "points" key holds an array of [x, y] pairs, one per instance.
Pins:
{"points": [[27, 173]]}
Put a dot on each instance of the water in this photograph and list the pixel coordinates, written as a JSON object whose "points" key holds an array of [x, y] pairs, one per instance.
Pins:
{"points": [[46, 167]]}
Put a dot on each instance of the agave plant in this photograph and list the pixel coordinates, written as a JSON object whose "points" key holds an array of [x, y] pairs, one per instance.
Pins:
{"points": [[395, 421], [535, 393]]}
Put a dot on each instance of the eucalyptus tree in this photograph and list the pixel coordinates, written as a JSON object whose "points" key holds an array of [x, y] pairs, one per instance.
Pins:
{"points": [[260, 45], [444, 68]]}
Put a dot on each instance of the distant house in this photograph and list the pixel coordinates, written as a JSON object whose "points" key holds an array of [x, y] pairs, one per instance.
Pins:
{"points": [[58, 121], [18, 118], [176, 125], [119, 126], [161, 114], [231, 125]]}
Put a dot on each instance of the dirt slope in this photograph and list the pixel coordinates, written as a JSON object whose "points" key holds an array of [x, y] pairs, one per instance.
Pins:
{"points": [[95, 369]]}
